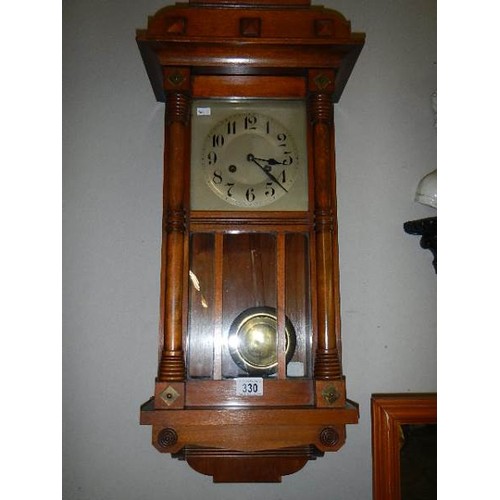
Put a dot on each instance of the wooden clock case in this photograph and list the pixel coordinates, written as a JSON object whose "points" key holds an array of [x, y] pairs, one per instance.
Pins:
{"points": [[255, 49]]}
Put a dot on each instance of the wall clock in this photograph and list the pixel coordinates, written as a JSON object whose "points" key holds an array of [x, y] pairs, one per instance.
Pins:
{"points": [[250, 383]]}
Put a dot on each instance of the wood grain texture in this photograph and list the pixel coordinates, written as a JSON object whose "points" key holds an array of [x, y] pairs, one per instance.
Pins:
{"points": [[228, 466], [277, 393], [172, 363], [250, 429], [290, 38], [327, 361], [252, 2], [388, 413], [208, 86]]}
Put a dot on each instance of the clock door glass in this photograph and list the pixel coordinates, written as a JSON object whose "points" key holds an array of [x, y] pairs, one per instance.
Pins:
{"points": [[297, 302], [249, 155], [249, 304], [202, 306], [234, 301]]}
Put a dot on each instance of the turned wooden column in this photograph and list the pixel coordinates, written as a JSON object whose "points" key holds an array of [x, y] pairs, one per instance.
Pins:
{"points": [[327, 360], [177, 112]]}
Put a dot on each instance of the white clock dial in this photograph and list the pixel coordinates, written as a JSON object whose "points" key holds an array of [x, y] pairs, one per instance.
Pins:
{"points": [[250, 160], [249, 155]]}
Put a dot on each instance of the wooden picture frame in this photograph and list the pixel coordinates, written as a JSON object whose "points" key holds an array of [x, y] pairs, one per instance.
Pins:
{"points": [[389, 413]]}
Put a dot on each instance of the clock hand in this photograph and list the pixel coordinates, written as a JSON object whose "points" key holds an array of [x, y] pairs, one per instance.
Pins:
{"points": [[270, 161], [251, 157]]}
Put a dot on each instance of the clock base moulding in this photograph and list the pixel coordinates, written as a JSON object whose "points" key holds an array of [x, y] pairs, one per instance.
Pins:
{"points": [[261, 444]]}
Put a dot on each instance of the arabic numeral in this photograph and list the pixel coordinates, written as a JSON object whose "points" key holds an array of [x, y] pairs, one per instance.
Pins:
{"points": [[250, 388], [217, 177], [212, 158], [231, 127], [217, 140], [250, 195], [270, 191], [250, 122]]}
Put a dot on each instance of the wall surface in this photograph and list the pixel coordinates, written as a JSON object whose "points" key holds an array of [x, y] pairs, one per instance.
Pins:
{"points": [[112, 168]]}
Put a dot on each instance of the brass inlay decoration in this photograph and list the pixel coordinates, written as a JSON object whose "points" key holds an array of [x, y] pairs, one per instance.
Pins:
{"points": [[322, 81], [330, 394], [169, 395], [176, 78]]}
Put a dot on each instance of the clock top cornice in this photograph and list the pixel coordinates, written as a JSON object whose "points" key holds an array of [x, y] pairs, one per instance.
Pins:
{"points": [[259, 37]]}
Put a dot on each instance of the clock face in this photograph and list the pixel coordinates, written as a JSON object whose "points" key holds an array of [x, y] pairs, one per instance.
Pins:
{"points": [[250, 160], [249, 155]]}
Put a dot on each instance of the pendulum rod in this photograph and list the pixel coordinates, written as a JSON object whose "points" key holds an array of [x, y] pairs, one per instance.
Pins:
{"points": [[218, 285], [280, 320]]}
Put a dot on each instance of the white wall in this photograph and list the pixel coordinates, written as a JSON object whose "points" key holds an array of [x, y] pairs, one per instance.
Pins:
{"points": [[112, 169]]}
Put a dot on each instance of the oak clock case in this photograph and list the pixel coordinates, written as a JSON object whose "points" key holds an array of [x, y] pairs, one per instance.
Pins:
{"points": [[250, 383]]}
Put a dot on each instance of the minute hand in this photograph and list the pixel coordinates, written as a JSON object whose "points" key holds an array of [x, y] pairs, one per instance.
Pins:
{"points": [[251, 157]]}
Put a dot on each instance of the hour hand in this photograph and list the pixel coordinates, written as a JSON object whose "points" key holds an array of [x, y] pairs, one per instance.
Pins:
{"points": [[269, 161], [251, 157]]}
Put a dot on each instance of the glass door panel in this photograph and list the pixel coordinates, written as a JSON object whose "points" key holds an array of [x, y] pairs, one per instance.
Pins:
{"points": [[202, 311], [297, 302], [249, 299], [249, 305]]}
